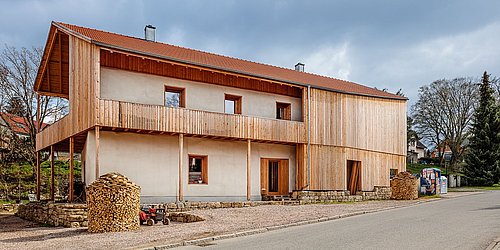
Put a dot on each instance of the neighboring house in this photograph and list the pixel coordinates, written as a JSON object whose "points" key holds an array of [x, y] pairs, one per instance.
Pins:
{"points": [[416, 150], [435, 153], [191, 125], [12, 124]]}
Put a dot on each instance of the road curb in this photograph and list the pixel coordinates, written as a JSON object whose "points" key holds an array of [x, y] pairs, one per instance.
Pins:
{"points": [[208, 240]]}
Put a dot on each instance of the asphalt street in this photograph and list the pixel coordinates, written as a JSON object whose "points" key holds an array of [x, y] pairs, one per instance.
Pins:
{"points": [[467, 222]]}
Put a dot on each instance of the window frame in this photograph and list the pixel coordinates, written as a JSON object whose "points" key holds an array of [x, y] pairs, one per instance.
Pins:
{"points": [[204, 168], [287, 110], [172, 89], [237, 103]]}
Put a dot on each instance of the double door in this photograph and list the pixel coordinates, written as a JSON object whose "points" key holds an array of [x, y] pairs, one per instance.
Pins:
{"points": [[274, 176]]}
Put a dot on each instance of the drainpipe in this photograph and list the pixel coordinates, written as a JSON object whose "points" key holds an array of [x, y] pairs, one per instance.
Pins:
{"points": [[309, 136]]}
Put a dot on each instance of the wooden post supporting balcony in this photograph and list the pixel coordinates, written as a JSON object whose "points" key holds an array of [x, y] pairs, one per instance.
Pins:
{"points": [[38, 126], [71, 168], [97, 135], [38, 175], [249, 179], [180, 196], [52, 173]]}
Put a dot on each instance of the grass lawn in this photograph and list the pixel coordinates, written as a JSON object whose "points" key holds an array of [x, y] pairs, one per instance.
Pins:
{"points": [[416, 168], [473, 188]]}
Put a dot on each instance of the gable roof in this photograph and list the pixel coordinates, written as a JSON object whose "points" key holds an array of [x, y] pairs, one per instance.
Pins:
{"points": [[420, 145], [220, 62], [17, 124]]}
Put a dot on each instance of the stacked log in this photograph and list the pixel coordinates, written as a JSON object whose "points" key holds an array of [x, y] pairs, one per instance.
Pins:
{"points": [[113, 203], [404, 186]]}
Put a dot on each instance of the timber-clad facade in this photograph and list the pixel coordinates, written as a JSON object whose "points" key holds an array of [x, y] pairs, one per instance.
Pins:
{"points": [[190, 125]]}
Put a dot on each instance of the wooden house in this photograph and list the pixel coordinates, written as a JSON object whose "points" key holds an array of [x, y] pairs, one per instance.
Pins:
{"points": [[191, 125]]}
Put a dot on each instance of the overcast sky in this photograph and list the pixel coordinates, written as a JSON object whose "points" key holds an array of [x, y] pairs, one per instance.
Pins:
{"points": [[383, 44]]}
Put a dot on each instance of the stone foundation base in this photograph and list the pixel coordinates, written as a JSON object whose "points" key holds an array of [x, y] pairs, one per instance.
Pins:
{"points": [[55, 214], [306, 197], [75, 215]]}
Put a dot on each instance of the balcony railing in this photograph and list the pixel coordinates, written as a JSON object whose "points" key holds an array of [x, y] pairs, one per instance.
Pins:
{"points": [[119, 114]]}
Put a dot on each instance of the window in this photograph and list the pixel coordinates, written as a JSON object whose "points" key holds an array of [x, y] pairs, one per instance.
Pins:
{"points": [[283, 111], [232, 104], [174, 97], [393, 172], [198, 169]]}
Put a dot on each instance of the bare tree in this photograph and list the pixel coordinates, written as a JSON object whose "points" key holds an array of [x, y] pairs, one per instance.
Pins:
{"points": [[18, 70], [495, 84], [443, 114]]}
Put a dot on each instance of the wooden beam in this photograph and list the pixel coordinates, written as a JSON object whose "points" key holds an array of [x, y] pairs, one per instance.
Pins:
{"points": [[60, 64], [49, 86], [65, 96], [71, 168], [38, 173], [38, 125], [52, 173], [45, 60], [97, 135], [181, 157], [249, 179]]}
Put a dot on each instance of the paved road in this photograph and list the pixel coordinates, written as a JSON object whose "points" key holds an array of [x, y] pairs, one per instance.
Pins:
{"points": [[468, 222]]}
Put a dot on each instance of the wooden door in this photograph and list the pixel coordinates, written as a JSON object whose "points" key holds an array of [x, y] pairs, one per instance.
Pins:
{"points": [[353, 176], [274, 176]]}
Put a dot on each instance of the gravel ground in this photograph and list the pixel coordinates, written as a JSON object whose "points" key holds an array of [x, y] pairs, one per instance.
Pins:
{"points": [[21, 234]]}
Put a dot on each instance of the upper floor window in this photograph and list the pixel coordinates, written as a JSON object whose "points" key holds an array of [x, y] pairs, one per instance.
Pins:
{"points": [[232, 104], [174, 97], [283, 111]]}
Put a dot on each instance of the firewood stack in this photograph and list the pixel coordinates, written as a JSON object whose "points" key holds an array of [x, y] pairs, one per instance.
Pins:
{"points": [[404, 186], [113, 203]]}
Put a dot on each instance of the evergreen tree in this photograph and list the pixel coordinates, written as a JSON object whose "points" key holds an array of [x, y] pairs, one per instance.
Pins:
{"points": [[482, 160]]}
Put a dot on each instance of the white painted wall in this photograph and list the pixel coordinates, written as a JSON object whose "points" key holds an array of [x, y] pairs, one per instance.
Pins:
{"points": [[88, 158], [149, 89], [151, 161]]}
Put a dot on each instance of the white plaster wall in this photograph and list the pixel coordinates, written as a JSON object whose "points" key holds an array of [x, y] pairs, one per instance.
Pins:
{"points": [[149, 89], [226, 168], [151, 161], [264, 150], [88, 156]]}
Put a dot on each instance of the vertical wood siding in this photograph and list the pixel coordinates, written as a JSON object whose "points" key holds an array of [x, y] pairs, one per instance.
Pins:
{"points": [[83, 81]]}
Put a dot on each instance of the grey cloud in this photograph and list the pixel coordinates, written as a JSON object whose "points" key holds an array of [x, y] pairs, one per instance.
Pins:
{"points": [[383, 44]]}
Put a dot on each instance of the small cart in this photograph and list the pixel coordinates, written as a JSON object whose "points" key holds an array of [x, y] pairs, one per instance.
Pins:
{"points": [[151, 216]]}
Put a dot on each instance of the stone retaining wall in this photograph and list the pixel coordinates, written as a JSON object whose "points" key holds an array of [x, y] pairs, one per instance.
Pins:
{"points": [[55, 214], [309, 197], [75, 215]]}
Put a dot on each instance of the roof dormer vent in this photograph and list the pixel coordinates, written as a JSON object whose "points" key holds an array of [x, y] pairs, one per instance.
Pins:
{"points": [[299, 67], [149, 33]]}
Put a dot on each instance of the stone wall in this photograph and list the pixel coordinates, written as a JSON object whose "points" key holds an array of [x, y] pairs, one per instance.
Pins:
{"points": [[307, 197], [75, 215], [55, 214]]}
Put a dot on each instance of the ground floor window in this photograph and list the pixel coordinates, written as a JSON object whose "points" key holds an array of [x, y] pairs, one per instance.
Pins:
{"points": [[393, 172], [198, 169]]}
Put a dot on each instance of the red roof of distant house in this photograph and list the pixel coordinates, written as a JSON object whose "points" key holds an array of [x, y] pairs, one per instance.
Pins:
{"points": [[17, 124], [210, 60]]}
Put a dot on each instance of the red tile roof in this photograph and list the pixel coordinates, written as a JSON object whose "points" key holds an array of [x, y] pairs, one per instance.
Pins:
{"points": [[16, 123], [200, 58]]}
